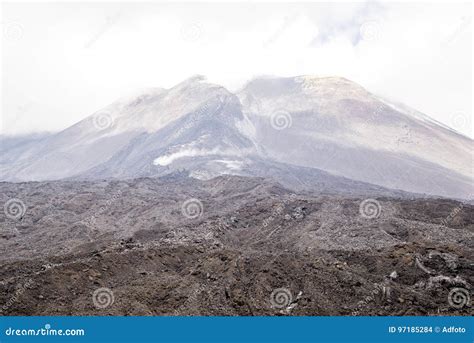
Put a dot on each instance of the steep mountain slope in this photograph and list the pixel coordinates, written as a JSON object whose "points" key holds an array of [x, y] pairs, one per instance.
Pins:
{"points": [[292, 130], [335, 125], [124, 132], [198, 134]]}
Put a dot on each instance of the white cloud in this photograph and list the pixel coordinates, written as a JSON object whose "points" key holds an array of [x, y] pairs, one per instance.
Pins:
{"points": [[72, 59]]}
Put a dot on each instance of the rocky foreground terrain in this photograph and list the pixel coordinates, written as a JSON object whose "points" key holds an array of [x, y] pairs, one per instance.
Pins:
{"points": [[229, 246]]}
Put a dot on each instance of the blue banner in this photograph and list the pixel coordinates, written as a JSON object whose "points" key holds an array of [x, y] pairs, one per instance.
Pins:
{"points": [[237, 329]]}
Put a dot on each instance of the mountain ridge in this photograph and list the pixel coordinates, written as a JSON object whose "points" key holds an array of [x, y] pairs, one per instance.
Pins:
{"points": [[326, 124]]}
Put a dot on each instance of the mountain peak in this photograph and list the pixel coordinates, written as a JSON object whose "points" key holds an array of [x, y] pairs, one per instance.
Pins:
{"points": [[341, 85], [140, 94], [195, 79], [325, 79], [309, 87]]}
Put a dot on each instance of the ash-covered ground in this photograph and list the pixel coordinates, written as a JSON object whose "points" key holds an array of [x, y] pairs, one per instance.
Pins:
{"points": [[229, 246]]}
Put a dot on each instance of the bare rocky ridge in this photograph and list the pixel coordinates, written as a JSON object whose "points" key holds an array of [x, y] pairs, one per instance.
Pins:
{"points": [[250, 239]]}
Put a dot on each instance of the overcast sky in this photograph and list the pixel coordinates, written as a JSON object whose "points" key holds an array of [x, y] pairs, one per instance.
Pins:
{"points": [[62, 62]]}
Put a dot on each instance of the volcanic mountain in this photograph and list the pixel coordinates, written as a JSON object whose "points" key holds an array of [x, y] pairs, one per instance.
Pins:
{"points": [[328, 134]]}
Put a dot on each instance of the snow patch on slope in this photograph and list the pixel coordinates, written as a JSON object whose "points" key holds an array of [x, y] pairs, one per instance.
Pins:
{"points": [[232, 164], [187, 152], [167, 159]]}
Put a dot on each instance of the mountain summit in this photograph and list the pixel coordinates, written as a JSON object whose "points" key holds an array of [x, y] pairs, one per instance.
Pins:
{"points": [[336, 125], [328, 133]]}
